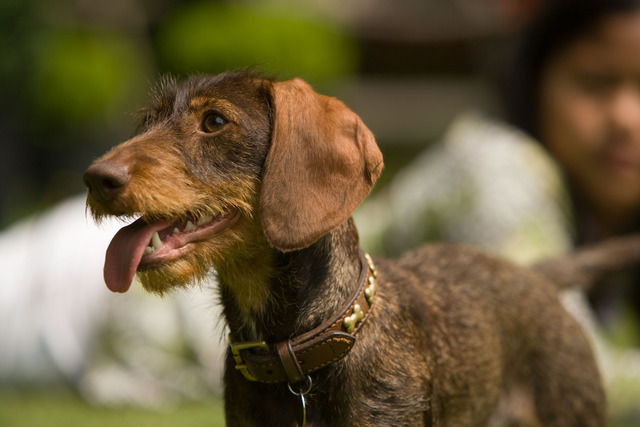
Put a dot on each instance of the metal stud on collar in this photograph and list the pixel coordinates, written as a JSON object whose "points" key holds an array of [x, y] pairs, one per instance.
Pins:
{"points": [[370, 291], [350, 322]]}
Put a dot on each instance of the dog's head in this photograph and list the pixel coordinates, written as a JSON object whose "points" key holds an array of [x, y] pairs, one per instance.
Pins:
{"points": [[226, 162]]}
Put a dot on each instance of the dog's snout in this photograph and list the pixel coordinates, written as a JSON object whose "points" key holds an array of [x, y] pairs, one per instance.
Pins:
{"points": [[105, 180]]}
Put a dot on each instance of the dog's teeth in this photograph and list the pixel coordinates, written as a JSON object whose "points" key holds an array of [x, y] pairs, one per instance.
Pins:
{"points": [[155, 241], [204, 219], [148, 250], [176, 230], [189, 226]]}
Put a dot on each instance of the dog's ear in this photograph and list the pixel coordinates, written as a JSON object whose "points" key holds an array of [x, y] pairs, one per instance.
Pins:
{"points": [[322, 163]]}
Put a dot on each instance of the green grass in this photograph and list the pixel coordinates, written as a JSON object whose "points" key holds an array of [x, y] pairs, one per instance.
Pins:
{"points": [[47, 409], [68, 410]]}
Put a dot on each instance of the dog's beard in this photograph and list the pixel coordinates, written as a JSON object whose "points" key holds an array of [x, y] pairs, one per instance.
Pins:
{"points": [[173, 275], [190, 269]]}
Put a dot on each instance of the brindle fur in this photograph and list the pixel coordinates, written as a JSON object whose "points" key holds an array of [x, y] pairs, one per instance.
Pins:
{"points": [[452, 333]]}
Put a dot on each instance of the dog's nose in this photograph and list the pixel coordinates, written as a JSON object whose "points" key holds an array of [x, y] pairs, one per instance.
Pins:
{"points": [[105, 180]]}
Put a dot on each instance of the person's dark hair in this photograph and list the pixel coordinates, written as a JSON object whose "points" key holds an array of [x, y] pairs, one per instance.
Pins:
{"points": [[558, 24]]}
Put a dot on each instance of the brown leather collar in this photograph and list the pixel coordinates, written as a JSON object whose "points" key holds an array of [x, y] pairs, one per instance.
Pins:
{"points": [[292, 360]]}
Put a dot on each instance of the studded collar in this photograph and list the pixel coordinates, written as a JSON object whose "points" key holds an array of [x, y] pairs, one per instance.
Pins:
{"points": [[292, 360]]}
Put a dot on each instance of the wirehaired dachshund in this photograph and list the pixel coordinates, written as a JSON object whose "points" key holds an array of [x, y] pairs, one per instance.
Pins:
{"points": [[255, 181]]}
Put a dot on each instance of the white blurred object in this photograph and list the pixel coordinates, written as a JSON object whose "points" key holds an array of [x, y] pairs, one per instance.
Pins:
{"points": [[59, 324], [484, 184]]}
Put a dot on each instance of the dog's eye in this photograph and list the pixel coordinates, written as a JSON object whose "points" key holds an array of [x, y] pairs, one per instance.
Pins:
{"points": [[213, 122]]}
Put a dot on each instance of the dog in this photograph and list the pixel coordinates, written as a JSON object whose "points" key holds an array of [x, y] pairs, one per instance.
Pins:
{"points": [[259, 179]]}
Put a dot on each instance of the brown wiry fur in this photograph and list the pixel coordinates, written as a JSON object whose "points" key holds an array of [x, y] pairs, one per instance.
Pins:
{"points": [[452, 334]]}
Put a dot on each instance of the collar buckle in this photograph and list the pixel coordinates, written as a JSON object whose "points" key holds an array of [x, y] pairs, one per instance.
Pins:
{"points": [[236, 348]]}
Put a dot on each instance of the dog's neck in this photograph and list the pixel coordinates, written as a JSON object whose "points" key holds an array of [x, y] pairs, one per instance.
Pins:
{"points": [[299, 289]]}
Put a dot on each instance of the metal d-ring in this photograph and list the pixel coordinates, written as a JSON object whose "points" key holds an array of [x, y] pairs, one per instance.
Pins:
{"points": [[301, 394]]}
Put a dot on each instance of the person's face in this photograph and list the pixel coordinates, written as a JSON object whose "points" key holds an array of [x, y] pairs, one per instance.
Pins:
{"points": [[590, 114]]}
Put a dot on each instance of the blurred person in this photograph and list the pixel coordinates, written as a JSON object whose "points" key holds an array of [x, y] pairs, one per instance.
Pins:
{"points": [[561, 169], [578, 92], [61, 327], [564, 172]]}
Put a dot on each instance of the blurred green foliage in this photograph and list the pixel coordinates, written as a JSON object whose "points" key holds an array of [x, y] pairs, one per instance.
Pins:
{"points": [[81, 76], [213, 37]]}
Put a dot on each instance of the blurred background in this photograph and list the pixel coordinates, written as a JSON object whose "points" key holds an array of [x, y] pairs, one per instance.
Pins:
{"points": [[73, 73]]}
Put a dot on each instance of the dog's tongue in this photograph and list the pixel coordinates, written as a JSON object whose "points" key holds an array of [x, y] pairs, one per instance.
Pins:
{"points": [[125, 252]]}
